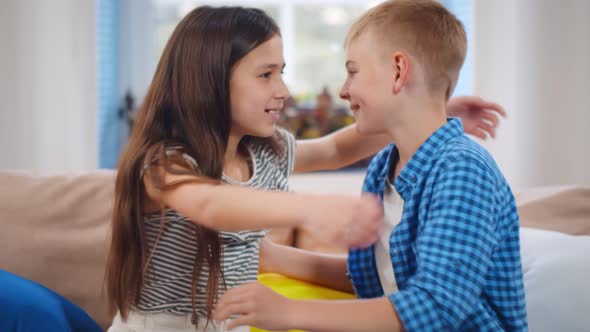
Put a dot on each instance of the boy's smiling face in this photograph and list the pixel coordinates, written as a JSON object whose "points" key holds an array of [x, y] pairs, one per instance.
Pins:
{"points": [[369, 85]]}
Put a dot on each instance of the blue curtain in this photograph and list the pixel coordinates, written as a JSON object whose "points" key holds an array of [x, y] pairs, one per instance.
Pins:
{"points": [[109, 140]]}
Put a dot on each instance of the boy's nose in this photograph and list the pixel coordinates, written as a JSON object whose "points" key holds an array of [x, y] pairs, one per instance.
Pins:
{"points": [[344, 94], [344, 91]]}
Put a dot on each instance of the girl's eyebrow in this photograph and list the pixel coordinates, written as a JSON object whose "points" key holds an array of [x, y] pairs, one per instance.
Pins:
{"points": [[272, 66]]}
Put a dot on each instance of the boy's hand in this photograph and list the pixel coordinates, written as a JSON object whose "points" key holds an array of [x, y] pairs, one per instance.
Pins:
{"points": [[480, 117], [351, 220], [255, 305]]}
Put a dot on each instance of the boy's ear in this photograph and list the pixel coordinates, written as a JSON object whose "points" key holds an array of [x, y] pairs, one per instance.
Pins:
{"points": [[401, 67]]}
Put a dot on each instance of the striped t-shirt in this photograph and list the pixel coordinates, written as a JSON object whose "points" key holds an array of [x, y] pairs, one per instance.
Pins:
{"points": [[168, 282]]}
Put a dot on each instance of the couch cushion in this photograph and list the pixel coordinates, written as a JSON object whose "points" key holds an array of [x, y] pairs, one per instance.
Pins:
{"points": [[556, 269], [54, 231], [561, 209], [54, 228]]}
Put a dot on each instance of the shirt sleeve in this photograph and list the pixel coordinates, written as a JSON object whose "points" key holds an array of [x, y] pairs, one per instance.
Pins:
{"points": [[287, 141], [453, 249]]}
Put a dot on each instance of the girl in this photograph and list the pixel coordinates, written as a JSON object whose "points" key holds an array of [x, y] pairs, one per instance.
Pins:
{"points": [[186, 225]]}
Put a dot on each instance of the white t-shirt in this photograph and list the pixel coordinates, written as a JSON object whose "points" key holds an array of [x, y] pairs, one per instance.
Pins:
{"points": [[393, 206]]}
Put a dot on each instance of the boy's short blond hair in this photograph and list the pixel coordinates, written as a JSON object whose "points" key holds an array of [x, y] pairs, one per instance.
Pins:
{"points": [[424, 29]]}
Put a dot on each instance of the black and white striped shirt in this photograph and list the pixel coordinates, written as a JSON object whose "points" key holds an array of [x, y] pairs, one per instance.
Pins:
{"points": [[168, 283]]}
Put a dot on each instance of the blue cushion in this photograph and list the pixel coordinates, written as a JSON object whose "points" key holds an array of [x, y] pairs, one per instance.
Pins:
{"points": [[26, 306]]}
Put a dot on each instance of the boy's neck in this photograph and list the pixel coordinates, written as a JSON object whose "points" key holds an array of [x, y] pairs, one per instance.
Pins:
{"points": [[411, 131]]}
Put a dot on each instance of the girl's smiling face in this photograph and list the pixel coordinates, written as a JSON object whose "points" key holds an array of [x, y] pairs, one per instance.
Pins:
{"points": [[257, 90]]}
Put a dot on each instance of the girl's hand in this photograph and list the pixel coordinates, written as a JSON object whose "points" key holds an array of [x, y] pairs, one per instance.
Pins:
{"points": [[480, 117], [350, 220], [255, 305]]}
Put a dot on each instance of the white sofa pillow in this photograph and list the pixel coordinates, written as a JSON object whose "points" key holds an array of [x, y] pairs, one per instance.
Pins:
{"points": [[556, 270]]}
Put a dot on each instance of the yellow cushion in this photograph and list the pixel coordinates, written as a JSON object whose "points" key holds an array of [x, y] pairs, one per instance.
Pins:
{"points": [[296, 289]]}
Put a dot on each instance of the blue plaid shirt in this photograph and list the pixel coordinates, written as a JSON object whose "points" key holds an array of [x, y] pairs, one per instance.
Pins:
{"points": [[455, 252]]}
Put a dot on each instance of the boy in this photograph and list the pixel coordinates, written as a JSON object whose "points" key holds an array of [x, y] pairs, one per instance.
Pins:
{"points": [[450, 258]]}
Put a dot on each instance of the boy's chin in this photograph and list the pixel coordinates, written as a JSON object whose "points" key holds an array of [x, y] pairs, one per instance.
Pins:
{"points": [[364, 130]]}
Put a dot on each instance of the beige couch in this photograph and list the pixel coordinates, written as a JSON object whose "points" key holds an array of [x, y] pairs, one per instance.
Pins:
{"points": [[55, 229]]}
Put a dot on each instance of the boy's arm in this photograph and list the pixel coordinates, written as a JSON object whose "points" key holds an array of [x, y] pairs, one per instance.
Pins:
{"points": [[346, 146], [261, 307], [321, 269]]}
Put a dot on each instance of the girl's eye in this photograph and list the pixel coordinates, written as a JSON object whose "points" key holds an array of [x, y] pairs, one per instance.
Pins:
{"points": [[266, 75]]}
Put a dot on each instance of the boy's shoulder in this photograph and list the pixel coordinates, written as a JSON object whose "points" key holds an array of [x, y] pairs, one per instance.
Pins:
{"points": [[463, 148], [464, 155], [460, 153], [459, 148]]}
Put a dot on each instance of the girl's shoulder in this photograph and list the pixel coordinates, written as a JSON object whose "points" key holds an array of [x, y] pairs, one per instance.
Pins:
{"points": [[286, 140], [278, 151], [171, 151]]}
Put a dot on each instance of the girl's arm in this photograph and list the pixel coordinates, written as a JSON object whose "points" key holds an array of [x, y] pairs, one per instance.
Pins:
{"points": [[321, 269], [346, 146], [351, 220], [336, 150], [261, 307]]}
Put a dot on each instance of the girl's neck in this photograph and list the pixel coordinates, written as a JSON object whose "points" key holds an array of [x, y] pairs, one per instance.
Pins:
{"points": [[232, 152], [237, 165]]}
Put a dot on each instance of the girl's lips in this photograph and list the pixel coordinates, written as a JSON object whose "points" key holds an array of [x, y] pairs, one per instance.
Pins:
{"points": [[274, 114]]}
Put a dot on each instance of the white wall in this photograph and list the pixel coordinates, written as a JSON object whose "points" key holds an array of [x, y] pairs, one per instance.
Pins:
{"points": [[48, 85], [533, 56]]}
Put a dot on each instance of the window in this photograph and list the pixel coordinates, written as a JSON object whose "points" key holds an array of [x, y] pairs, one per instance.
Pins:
{"points": [[463, 9], [313, 35], [313, 32], [169, 13]]}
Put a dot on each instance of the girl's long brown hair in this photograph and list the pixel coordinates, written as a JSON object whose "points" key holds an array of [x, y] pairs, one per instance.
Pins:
{"points": [[188, 106]]}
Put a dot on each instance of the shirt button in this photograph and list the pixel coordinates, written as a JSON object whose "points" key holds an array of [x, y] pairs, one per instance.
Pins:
{"points": [[395, 252]]}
